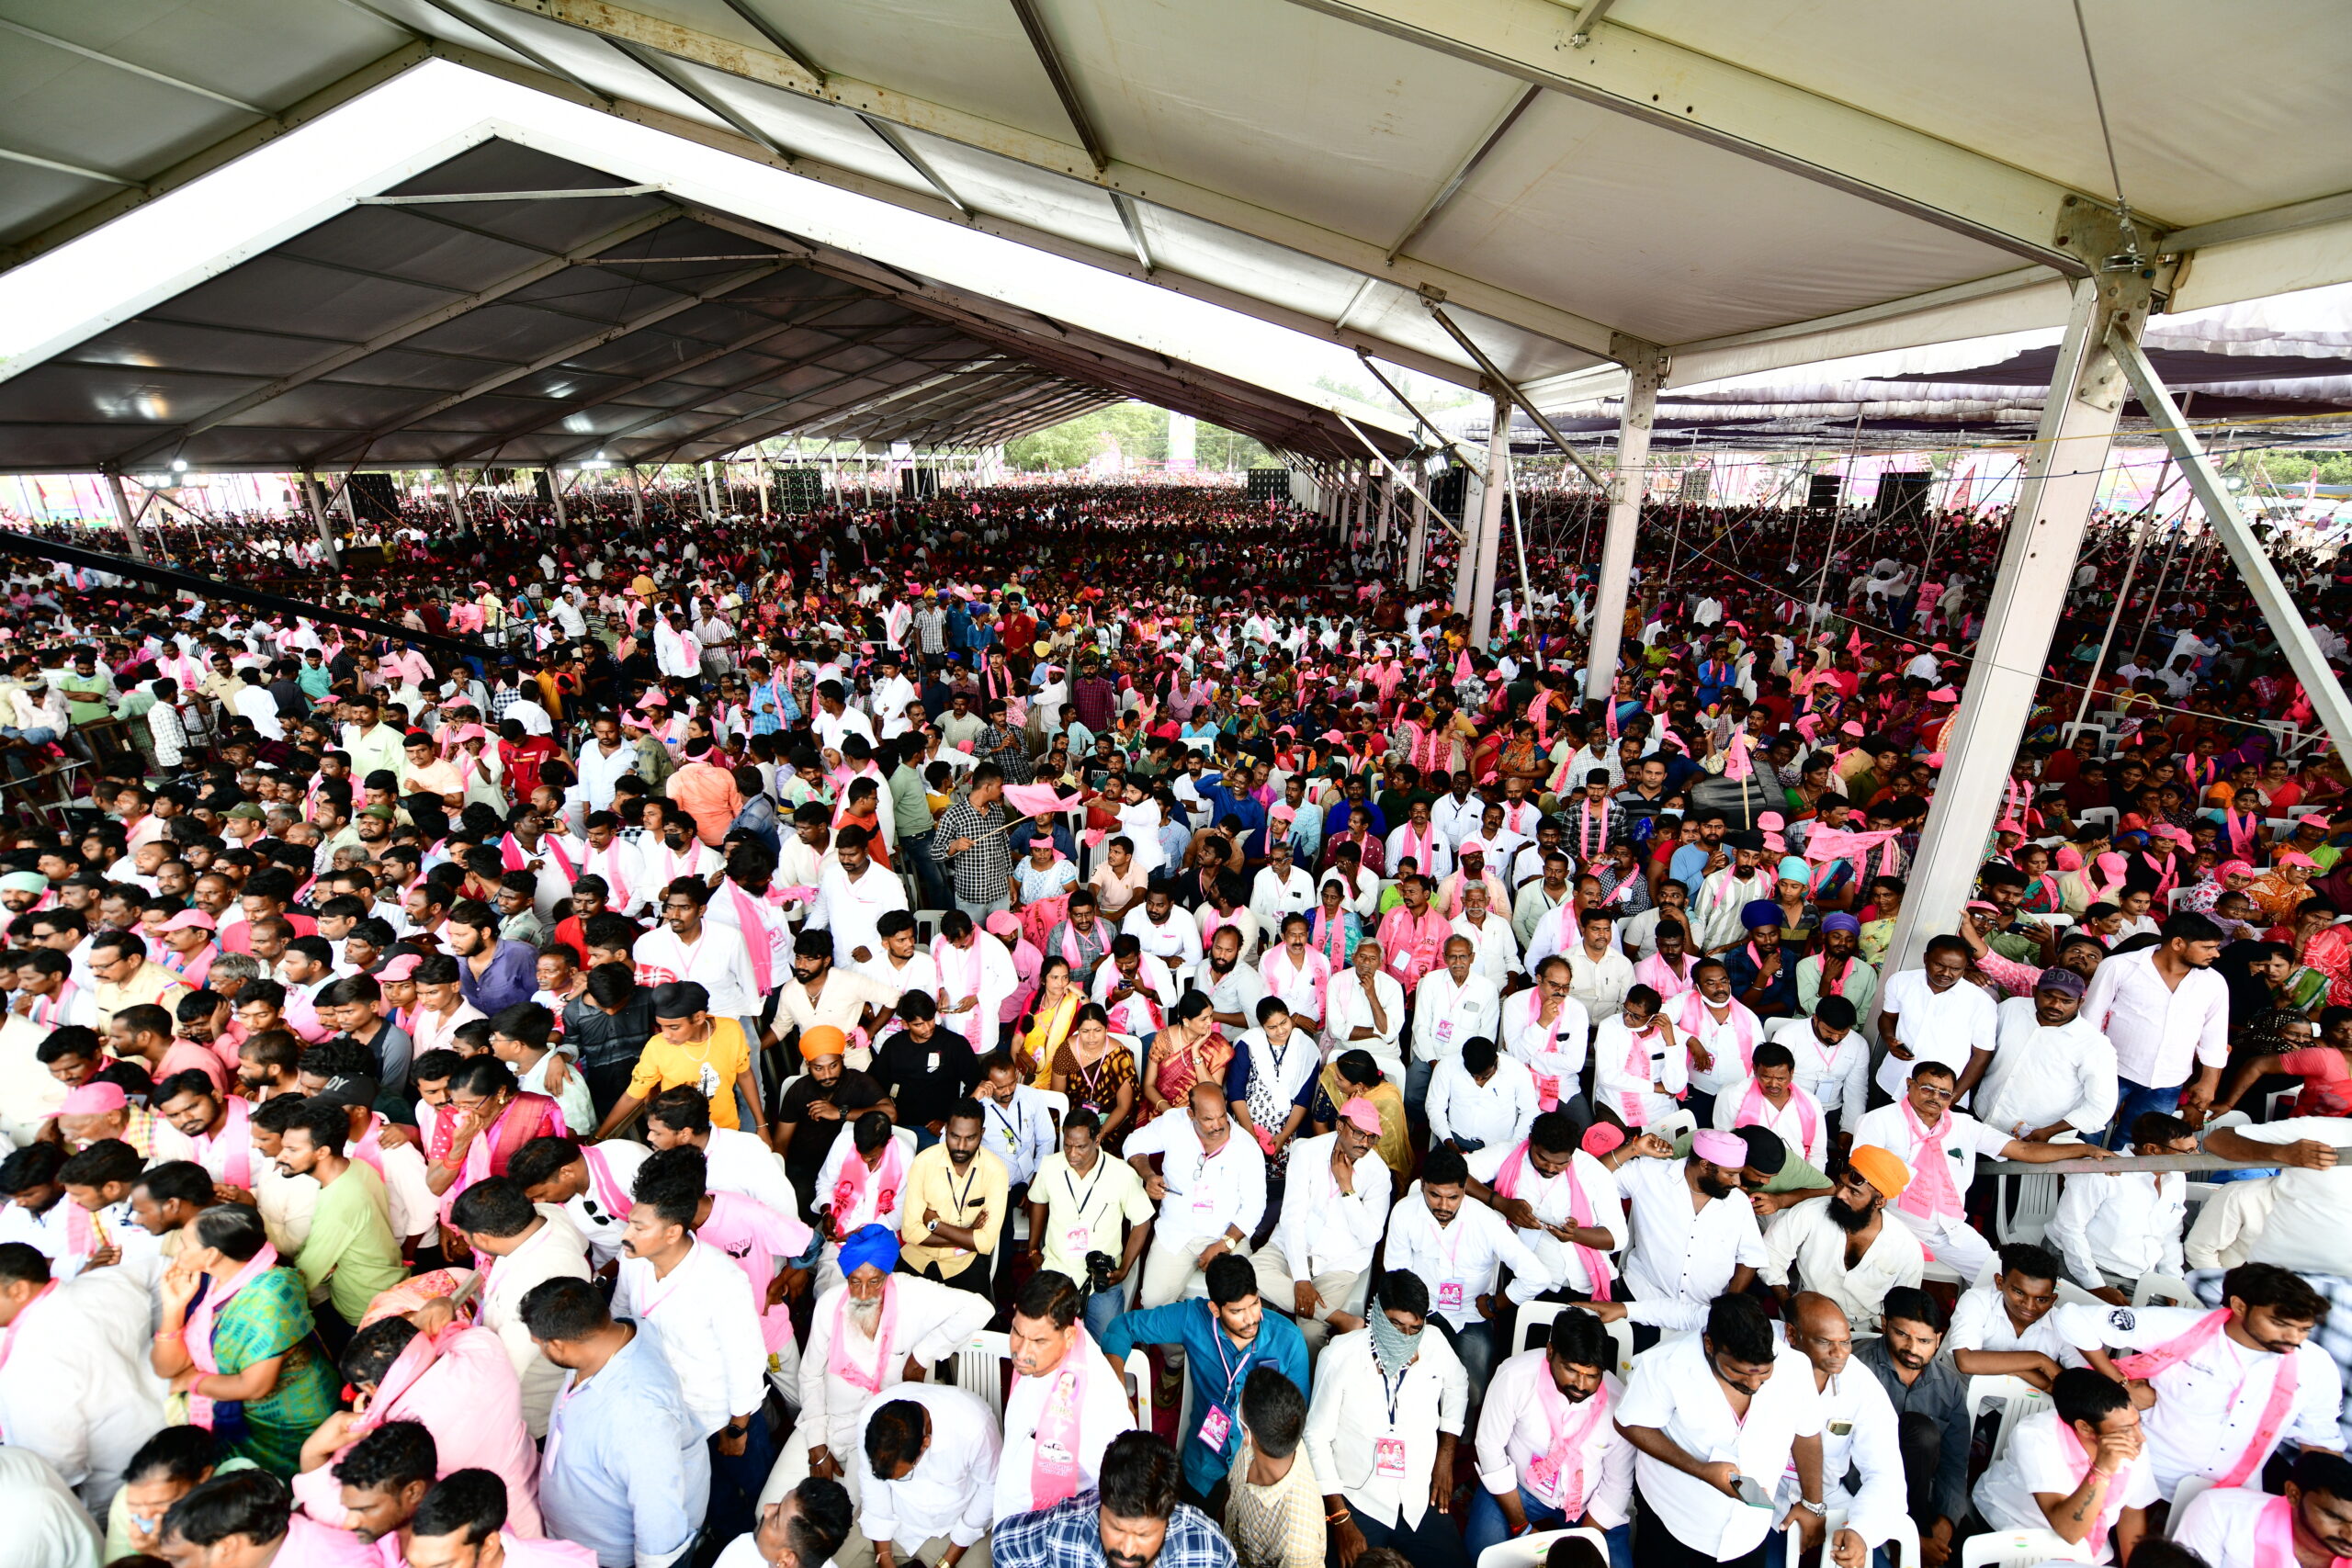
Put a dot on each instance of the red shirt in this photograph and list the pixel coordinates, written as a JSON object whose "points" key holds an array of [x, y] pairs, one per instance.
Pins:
{"points": [[522, 763]]}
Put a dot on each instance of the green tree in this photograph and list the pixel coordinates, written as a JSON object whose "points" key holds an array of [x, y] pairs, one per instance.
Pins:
{"points": [[1140, 431]]}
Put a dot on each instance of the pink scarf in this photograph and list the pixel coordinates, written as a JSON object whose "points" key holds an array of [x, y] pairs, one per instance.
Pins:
{"points": [[1567, 1445], [616, 884], [1930, 1194], [849, 1187], [2078, 1465], [614, 1197], [755, 927], [2274, 1537], [1753, 1112], [838, 1359], [1637, 1065], [1054, 1450], [1693, 1010], [2145, 1364], [235, 1141], [1514, 1170], [15, 1325], [514, 857], [1660, 977], [199, 1336]]}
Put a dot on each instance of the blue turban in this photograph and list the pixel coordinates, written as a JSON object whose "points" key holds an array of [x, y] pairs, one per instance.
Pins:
{"points": [[877, 1245], [1760, 913]]}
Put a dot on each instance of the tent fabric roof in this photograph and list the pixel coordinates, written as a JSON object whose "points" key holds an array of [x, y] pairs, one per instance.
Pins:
{"points": [[392, 334], [2282, 365], [1750, 186]]}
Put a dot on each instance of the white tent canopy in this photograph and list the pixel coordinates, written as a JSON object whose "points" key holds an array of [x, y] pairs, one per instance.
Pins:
{"points": [[1746, 186]]}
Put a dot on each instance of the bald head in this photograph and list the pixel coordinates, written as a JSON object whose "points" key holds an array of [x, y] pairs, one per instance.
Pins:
{"points": [[1818, 1328]]}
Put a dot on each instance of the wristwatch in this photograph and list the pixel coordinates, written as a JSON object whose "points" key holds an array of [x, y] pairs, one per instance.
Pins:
{"points": [[1818, 1510]]}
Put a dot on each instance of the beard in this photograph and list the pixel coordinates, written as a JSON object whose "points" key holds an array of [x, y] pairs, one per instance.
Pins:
{"points": [[1851, 1221], [1714, 1188], [866, 1315]]}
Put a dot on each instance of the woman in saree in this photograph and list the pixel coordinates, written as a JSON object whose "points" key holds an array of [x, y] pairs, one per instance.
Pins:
{"points": [[1046, 1022], [1186, 1053], [1098, 1072], [237, 1342]]}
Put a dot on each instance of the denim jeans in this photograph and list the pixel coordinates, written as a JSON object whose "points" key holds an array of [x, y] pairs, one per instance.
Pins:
{"points": [[38, 736], [2134, 1101], [1488, 1526], [1102, 1306]]}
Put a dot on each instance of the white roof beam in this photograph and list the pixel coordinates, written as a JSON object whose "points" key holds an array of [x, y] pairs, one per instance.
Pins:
{"points": [[1789, 128], [229, 148], [1072, 161], [1463, 171]]}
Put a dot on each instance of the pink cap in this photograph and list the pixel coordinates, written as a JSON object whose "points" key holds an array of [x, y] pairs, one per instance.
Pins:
{"points": [[1982, 907], [1726, 1149], [399, 968], [471, 732], [1361, 1114], [1943, 694], [2233, 868], [1002, 923], [1601, 1138], [94, 1099], [189, 919], [2297, 857]]}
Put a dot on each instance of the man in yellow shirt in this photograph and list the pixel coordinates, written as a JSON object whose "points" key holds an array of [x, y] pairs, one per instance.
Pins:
{"points": [[696, 1050], [958, 1197]]}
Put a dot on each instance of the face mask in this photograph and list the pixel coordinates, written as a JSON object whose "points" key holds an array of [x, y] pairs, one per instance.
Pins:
{"points": [[1393, 1348]]}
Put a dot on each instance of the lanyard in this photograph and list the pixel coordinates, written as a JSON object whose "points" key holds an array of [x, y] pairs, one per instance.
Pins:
{"points": [[1225, 1364], [1010, 1125]]}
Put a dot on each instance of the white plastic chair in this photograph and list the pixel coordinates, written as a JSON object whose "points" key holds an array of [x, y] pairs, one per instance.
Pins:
{"points": [[2018, 1399], [1057, 1106], [2186, 1493], [927, 926], [1527, 1551], [2163, 1289], [2279, 1106], [979, 1369], [1138, 1365], [2027, 1204], [1906, 1539], [2104, 815], [906, 1135], [1674, 1124], [1535, 1323], [1137, 1049], [2020, 1548]]}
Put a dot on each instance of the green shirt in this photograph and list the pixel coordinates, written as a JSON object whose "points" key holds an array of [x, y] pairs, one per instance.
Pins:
{"points": [[1797, 1176], [351, 1250], [909, 807]]}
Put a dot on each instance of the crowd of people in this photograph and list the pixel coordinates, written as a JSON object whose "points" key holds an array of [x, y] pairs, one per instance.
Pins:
{"points": [[1090, 1026]]}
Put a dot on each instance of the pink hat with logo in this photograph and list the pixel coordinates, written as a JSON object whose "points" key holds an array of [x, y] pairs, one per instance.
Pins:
{"points": [[399, 968], [1361, 1114], [187, 920]]}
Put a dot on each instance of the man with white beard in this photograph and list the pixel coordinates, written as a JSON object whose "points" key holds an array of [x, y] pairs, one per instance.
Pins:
{"points": [[874, 1330]]}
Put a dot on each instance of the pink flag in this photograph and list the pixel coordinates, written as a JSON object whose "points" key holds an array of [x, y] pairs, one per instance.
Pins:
{"points": [[1037, 800]]}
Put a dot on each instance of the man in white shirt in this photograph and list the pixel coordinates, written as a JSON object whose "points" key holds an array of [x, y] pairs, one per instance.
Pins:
{"points": [[74, 1387], [1933, 1014], [2081, 1469], [1940, 1146], [590, 1182], [685, 946], [1132, 988], [1694, 1232], [1548, 1029], [927, 1465], [1457, 1249], [1843, 1247], [1549, 1453], [1771, 1098], [867, 1336], [1163, 929], [1335, 1209], [1493, 946], [1364, 1009], [735, 1161], [2310, 1198], [2053, 1071], [2164, 1009], [2003, 1326], [1454, 1003], [1420, 841], [1709, 1412], [2232, 1384], [2234, 1526], [1563, 1201], [1016, 1124], [1066, 1404], [527, 1244], [1211, 1189], [1388, 1408], [1481, 1099], [700, 1308], [2112, 1229], [853, 895], [1860, 1434], [1280, 888]]}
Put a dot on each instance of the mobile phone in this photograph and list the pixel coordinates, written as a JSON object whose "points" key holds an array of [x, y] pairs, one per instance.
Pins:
{"points": [[1751, 1492]]}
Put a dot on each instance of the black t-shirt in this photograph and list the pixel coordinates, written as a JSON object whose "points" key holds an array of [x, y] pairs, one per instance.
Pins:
{"points": [[853, 1091], [926, 1079]]}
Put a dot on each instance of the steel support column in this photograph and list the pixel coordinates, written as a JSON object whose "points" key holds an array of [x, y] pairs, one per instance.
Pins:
{"points": [[457, 513], [1416, 552], [1486, 546], [2270, 592], [1644, 371], [125, 515], [554, 496], [2054, 501], [319, 516]]}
